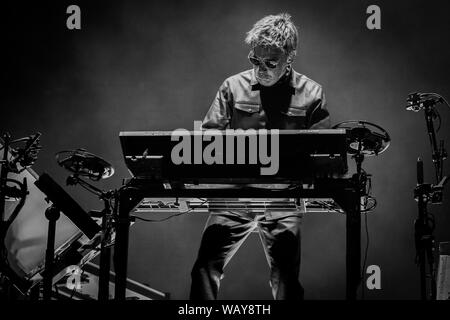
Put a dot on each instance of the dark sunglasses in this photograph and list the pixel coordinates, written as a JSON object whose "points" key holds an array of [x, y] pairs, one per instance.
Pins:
{"points": [[257, 62]]}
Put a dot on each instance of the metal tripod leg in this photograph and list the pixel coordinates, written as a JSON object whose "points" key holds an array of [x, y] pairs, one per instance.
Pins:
{"points": [[127, 200], [349, 200]]}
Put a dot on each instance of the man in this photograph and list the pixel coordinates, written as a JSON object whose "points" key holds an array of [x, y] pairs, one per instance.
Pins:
{"points": [[273, 96]]}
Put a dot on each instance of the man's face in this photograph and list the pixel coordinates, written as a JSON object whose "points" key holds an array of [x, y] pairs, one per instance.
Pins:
{"points": [[263, 58]]}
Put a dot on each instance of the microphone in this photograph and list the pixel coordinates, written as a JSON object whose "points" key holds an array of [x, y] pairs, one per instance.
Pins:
{"points": [[414, 102], [415, 107], [418, 101], [26, 156], [31, 151]]}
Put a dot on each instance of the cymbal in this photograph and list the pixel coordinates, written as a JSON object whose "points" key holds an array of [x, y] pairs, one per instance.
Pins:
{"points": [[85, 164], [362, 137], [370, 144]]}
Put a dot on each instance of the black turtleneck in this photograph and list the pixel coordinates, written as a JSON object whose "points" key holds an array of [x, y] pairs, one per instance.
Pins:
{"points": [[275, 100]]}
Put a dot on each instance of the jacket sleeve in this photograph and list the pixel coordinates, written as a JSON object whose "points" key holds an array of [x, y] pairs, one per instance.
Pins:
{"points": [[219, 114], [320, 117]]}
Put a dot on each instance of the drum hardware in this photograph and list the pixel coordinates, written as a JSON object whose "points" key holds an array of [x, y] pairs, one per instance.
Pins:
{"points": [[61, 203], [83, 164], [425, 193], [364, 139], [24, 157], [15, 160]]}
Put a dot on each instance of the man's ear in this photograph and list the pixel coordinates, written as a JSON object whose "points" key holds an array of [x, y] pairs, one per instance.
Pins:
{"points": [[291, 57]]}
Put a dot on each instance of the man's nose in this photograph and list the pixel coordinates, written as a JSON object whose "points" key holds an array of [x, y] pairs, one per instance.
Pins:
{"points": [[262, 67]]}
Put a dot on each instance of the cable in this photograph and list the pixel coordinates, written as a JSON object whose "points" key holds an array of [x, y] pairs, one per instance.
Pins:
{"points": [[436, 115], [368, 209], [366, 252], [440, 97], [327, 205], [86, 187], [445, 101]]}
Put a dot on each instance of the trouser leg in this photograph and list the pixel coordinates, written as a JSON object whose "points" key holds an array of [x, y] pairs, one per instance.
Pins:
{"points": [[282, 245], [223, 235]]}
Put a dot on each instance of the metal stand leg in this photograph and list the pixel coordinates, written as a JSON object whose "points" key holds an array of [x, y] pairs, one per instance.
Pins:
{"points": [[353, 256], [105, 261], [349, 200], [52, 214], [121, 245]]}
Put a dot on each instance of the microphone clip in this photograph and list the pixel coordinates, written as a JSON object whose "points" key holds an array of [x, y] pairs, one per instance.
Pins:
{"points": [[419, 101]]}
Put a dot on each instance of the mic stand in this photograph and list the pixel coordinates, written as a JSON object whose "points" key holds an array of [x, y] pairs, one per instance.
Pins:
{"points": [[424, 193], [438, 154]]}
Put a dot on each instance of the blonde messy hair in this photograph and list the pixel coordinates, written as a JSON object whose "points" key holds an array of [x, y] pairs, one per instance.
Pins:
{"points": [[274, 30]]}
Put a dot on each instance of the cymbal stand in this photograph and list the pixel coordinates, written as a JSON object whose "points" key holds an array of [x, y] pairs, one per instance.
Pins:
{"points": [[107, 224], [20, 192]]}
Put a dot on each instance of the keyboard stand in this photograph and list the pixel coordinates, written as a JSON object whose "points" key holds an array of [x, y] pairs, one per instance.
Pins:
{"points": [[346, 192]]}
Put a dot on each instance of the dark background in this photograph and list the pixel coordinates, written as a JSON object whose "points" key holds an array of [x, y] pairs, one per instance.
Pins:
{"points": [[157, 66]]}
